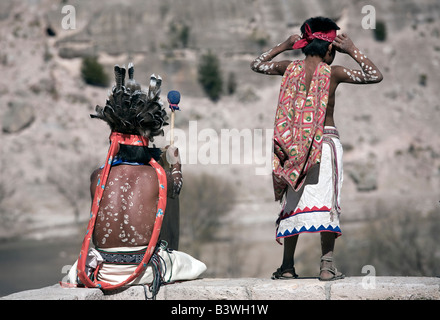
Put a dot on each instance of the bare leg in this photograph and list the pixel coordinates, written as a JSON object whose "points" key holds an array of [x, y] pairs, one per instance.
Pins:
{"points": [[327, 243], [287, 269], [328, 271], [289, 252]]}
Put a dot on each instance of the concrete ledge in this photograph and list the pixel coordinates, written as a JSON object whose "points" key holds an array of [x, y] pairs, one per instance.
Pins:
{"points": [[353, 288]]}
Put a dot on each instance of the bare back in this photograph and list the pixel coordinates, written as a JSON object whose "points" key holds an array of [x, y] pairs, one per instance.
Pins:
{"points": [[127, 211], [310, 68]]}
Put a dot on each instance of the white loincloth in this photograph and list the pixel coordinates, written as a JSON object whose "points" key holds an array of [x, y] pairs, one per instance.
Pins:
{"points": [[179, 266]]}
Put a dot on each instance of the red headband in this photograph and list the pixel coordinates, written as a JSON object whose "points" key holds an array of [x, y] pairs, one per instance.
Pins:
{"points": [[308, 36], [130, 139]]}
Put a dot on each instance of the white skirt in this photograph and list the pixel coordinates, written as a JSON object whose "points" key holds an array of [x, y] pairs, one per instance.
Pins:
{"points": [[315, 207]]}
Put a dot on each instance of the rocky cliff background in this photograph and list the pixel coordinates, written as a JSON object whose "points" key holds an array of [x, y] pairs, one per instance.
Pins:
{"points": [[390, 131]]}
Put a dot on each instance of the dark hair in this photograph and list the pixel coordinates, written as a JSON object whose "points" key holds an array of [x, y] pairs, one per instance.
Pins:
{"points": [[140, 154], [132, 111], [317, 46]]}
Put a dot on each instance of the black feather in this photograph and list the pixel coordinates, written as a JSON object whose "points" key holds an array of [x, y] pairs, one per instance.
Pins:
{"points": [[128, 109]]}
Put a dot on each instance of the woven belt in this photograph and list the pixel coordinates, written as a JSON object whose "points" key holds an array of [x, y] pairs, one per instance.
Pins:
{"points": [[331, 132], [133, 257]]}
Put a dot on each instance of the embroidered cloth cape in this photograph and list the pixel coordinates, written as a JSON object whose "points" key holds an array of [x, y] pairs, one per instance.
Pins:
{"points": [[299, 125]]}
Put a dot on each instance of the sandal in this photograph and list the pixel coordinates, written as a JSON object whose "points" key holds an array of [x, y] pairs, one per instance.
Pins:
{"points": [[284, 274], [336, 274]]}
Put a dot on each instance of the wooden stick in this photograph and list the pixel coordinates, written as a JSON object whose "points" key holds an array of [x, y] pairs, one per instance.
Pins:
{"points": [[172, 129]]}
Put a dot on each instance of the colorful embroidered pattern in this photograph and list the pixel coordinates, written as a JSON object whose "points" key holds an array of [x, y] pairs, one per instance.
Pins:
{"points": [[299, 125]]}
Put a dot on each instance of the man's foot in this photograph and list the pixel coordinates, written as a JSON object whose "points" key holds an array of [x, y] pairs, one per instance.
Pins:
{"points": [[284, 274], [328, 272]]}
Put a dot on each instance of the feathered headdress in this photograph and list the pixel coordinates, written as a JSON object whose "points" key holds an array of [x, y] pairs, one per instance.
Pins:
{"points": [[130, 110]]}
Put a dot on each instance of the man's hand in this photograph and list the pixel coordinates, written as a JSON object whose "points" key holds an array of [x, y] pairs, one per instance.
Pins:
{"points": [[292, 39], [264, 63], [369, 73], [343, 44], [173, 157]]}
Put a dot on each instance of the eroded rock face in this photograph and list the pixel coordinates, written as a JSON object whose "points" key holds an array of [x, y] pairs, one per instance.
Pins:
{"points": [[18, 116], [364, 173]]}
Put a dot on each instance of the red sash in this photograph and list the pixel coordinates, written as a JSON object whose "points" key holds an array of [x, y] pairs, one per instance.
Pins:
{"points": [[116, 139]]}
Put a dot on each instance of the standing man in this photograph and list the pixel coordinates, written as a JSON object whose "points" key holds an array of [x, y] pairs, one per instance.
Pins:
{"points": [[307, 155]]}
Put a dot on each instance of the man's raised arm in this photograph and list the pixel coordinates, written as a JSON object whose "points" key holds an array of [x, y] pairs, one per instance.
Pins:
{"points": [[264, 64], [369, 73]]}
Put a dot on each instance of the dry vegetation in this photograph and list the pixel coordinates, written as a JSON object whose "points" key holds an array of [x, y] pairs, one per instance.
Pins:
{"points": [[205, 199]]}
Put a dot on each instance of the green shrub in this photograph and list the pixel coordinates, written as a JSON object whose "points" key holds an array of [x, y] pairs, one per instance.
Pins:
{"points": [[179, 35], [232, 83], [380, 33], [184, 34], [209, 76], [93, 73], [423, 78]]}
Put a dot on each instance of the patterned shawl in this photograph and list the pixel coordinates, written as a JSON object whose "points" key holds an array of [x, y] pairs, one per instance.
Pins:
{"points": [[299, 125]]}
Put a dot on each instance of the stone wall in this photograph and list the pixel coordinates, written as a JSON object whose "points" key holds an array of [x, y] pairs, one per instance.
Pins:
{"points": [[352, 288]]}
